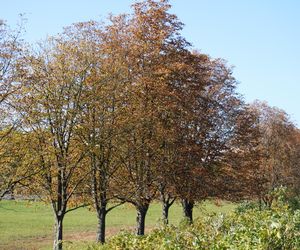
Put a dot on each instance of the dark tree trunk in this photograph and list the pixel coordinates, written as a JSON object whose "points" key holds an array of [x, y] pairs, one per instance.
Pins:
{"points": [[140, 219], [99, 194], [167, 201], [12, 193], [260, 203], [58, 233], [61, 207], [166, 204], [101, 214], [165, 213], [188, 209]]}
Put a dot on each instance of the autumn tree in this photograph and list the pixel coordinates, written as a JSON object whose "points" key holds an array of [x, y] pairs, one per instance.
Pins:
{"points": [[241, 175], [186, 75], [264, 155], [295, 160], [15, 162], [182, 111], [154, 50], [210, 107], [103, 101], [50, 104], [10, 52], [279, 141]]}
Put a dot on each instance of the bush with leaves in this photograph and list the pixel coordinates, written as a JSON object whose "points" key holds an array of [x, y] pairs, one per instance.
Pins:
{"points": [[249, 227]]}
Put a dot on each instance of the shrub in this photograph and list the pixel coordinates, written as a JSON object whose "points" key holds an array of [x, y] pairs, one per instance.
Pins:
{"points": [[248, 227]]}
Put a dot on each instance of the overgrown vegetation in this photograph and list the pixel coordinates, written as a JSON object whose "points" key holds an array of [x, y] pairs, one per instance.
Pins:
{"points": [[249, 227]]}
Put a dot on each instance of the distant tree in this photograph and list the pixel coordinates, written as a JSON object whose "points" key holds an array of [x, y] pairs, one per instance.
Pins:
{"points": [[295, 160], [241, 175], [261, 157], [279, 142]]}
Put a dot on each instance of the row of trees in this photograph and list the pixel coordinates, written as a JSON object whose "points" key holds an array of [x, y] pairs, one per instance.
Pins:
{"points": [[104, 114]]}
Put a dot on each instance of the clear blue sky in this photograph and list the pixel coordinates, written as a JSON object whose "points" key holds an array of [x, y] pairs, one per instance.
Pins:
{"points": [[260, 38]]}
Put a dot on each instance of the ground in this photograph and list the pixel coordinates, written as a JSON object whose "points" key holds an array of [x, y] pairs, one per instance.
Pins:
{"points": [[29, 225]]}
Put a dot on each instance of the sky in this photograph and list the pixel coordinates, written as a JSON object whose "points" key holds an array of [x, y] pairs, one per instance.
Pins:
{"points": [[259, 38]]}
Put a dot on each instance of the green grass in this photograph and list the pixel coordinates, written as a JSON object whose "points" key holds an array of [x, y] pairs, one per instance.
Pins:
{"points": [[25, 225]]}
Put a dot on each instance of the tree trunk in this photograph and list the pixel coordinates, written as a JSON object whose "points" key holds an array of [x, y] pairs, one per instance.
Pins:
{"points": [[165, 213], [260, 203], [166, 204], [58, 233], [188, 209], [101, 214], [140, 219], [12, 193]]}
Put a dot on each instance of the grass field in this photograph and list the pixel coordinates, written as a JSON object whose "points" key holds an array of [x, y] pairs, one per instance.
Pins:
{"points": [[29, 225]]}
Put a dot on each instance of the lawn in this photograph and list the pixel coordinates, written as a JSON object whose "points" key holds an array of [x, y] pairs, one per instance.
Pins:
{"points": [[29, 225]]}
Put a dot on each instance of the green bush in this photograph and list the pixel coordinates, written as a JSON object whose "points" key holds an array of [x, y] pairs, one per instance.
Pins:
{"points": [[276, 227]]}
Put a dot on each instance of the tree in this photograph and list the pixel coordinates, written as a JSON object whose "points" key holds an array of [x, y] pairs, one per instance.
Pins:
{"points": [[279, 142], [211, 107], [103, 98], [154, 50], [50, 105], [241, 174], [10, 52], [15, 161], [295, 160], [182, 110]]}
